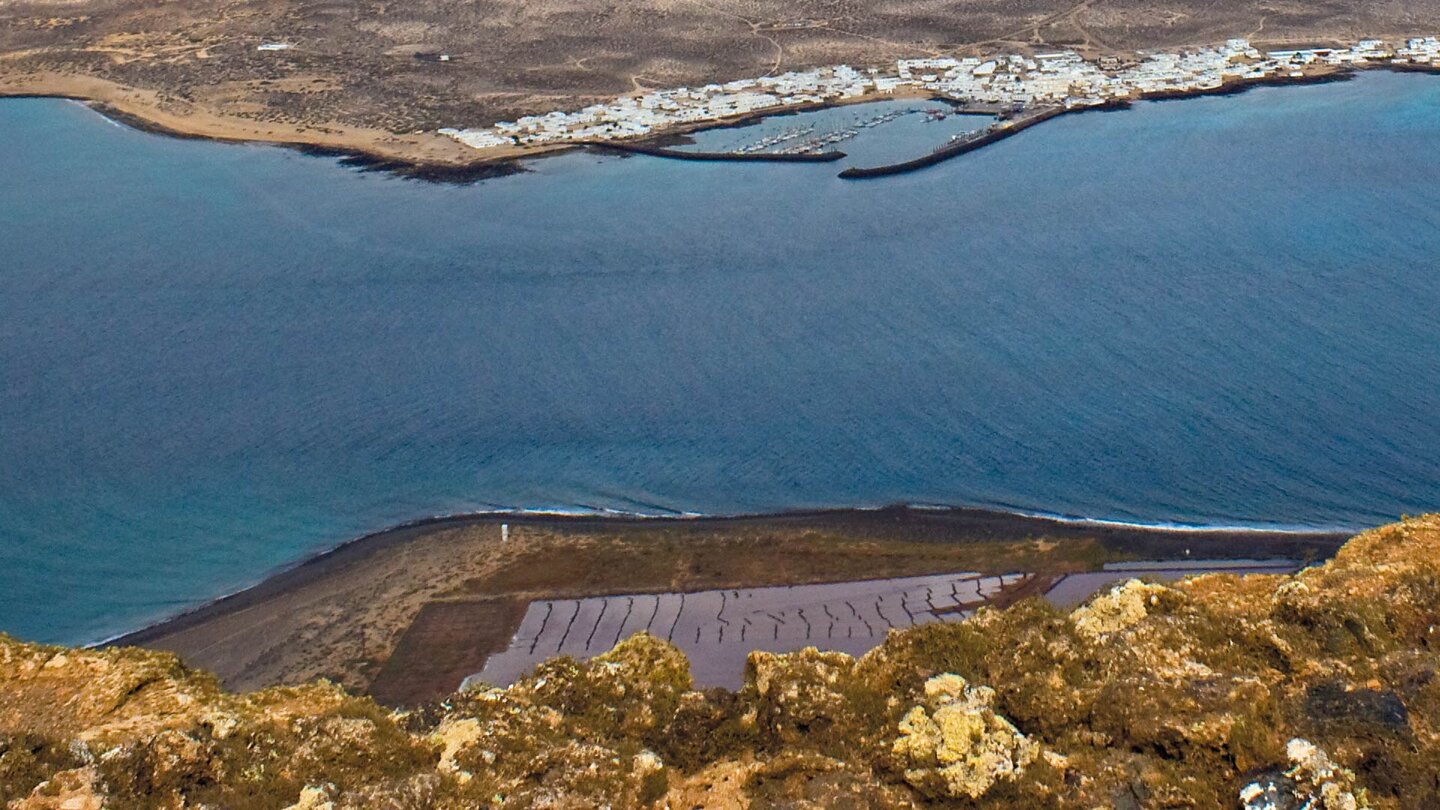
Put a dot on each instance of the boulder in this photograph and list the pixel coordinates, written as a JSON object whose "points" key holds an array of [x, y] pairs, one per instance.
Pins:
{"points": [[954, 744], [1119, 609]]}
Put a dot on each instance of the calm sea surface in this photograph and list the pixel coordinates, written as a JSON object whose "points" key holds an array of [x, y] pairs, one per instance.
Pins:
{"points": [[215, 359]]}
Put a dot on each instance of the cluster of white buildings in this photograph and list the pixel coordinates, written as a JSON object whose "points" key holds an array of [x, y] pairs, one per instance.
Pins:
{"points": [[1062, 78]]}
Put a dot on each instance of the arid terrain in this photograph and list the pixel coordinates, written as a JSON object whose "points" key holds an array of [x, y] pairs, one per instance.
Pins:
{"points": [[366, 75]]}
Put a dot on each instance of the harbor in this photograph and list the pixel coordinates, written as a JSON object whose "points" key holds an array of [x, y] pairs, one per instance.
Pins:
{"points": [[1023, 89], [878, 133], [960, 144]]}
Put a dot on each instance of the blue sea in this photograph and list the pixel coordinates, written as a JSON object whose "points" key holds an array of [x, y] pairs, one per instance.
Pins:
{"points": [[217, 359]]}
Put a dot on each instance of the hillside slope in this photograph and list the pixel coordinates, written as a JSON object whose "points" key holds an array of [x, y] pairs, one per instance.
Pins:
{"points": [[1217, 692]]}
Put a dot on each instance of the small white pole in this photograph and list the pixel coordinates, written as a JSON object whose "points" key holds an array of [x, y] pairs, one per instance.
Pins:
{"points": [[504, 532]]}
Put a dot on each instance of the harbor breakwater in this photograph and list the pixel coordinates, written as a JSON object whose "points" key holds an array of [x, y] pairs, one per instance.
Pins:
{"points": [[962, 144], [1007, 128], [680, 154]]}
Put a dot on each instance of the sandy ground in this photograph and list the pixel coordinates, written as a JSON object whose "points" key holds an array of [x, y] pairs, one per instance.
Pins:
{"points": [[407, 613], [146, 109]]}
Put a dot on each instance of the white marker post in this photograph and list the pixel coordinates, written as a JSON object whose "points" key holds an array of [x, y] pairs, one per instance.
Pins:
{"points": [[504, 532]]}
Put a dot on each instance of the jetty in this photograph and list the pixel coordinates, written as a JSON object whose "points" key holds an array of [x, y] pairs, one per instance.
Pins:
{"points": [[681, 154], [966, 142]]}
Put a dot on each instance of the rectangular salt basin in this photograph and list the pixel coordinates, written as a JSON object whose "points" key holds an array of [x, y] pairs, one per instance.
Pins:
{"points": [[717, 629], [1073, 589]]}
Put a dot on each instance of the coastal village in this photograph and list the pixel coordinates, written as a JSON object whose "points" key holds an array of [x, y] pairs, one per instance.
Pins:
{"points": [[1011, 84]]}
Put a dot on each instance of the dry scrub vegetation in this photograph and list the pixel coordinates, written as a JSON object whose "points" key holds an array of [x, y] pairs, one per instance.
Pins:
{"points": [[1320, 687]]}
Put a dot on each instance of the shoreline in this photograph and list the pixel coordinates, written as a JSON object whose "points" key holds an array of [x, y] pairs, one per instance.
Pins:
{"points": [[994, 134], [352, 157], [1277, 542], [426, 156], [450, 162]]}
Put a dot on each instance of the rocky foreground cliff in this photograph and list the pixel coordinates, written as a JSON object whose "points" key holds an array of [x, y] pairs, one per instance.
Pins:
{"points": [[1318, 690]]}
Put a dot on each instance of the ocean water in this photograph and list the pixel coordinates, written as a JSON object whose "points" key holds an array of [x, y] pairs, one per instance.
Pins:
{"points": [[216, 359]]}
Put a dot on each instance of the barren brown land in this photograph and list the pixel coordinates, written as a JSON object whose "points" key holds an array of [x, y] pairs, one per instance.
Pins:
{"points": [[406, 614], [364, 75]]}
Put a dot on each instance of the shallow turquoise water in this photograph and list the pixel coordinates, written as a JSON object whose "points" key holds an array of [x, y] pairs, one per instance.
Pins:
{"points": [[215, 359]]}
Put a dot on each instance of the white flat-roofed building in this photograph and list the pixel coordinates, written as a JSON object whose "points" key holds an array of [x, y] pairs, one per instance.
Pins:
{"points": [[1059, 77], [479, 138]]}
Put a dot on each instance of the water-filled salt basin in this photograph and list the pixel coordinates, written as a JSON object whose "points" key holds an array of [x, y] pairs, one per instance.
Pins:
{"points": [[218, 359], [717, 629], [1071, 590]]}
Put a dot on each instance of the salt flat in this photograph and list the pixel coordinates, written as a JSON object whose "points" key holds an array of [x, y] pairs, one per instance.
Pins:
{"points": [[718, 628]]}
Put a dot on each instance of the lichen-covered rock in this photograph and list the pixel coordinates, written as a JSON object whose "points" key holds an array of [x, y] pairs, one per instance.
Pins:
{"points": [[453, 736], [1312, 782], [313, 798], [1325, 785], [721, 785], [1120, 608], [102, 696], [573, 734], [76, 789], [707, 726], [955, 745], [810, 781], [633, 690], [800, 697]]}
